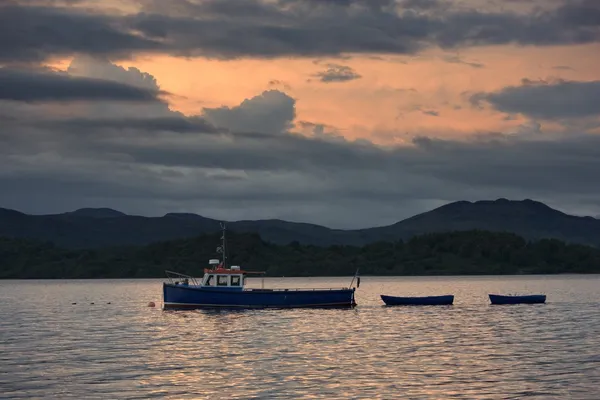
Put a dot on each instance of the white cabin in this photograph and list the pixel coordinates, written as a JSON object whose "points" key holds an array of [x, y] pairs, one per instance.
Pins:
{"points": [[223, 280], [232, 277]]}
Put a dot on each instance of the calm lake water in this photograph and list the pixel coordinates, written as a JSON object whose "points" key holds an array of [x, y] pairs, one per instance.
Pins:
{"points": [[51, 348]]}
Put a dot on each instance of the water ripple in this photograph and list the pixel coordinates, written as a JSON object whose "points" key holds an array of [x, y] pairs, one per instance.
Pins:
{"points": [[52, 348]]}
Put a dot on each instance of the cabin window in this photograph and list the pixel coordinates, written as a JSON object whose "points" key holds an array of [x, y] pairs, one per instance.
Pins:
{"points": [[222, 280], [235, 280], [209, 281]]}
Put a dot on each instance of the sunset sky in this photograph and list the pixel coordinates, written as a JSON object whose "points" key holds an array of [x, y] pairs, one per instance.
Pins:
{"points": [[345, 113]]}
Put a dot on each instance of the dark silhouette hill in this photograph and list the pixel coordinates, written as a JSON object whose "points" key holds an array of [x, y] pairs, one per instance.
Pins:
{"points": [[528, 218], [101, 227], [96, 213]]}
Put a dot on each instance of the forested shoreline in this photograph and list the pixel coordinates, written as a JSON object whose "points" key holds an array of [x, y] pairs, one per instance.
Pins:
{"points": [[454, 253]]}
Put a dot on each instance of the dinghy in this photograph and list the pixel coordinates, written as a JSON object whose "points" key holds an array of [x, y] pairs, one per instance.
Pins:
{"points": [[418, 301], [516, 299]]}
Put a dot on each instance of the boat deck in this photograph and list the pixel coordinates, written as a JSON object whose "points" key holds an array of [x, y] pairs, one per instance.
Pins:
{"points": [[292, 290]]}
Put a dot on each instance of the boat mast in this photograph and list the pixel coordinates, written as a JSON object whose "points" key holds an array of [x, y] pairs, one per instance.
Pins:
{"points": [[223, 248]]}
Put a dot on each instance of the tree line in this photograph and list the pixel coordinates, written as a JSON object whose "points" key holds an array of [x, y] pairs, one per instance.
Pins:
{"points": [[454, 253]]}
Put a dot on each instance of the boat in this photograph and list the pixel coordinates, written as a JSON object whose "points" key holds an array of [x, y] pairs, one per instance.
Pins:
{"points": [[418, 301], [224, 286], [518, 299]]}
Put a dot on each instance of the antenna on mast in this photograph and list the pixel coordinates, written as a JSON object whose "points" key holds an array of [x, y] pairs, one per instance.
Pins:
{"points": [[223, 248]]}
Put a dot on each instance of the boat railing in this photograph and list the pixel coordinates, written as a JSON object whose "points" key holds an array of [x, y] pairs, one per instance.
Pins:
{"points": [[292, 290], [176, 277]]}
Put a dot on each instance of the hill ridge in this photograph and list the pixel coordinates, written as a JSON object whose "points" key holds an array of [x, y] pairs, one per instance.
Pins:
{"points": [[528, 218]]}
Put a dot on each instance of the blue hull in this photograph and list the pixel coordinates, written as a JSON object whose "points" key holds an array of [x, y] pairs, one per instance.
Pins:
{"points": [[191, 297], [418, 301], [529, 299]]}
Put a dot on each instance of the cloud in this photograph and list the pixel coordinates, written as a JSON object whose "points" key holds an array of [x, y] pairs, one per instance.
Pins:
{"points": [[179, 124], [102, 68], [272, 176], [540, 99], [275, 83], [337, 73], [271, 112], [306, 28], [215, 28], [319, 130], [562, 68], [425, 111], [250, 161], [421, 4], [458, 60], [366, 29], [33, 33], [36, 85]]}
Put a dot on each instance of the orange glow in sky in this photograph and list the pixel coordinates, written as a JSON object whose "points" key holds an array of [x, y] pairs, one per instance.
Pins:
{"points": [[427, 93]]}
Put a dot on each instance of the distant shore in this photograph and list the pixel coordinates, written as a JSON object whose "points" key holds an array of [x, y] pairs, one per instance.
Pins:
{"points": [[468, 253], [314, 276]]}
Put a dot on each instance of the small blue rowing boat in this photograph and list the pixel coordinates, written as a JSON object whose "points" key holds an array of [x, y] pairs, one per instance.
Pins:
{"points": [[418, 301], [525, 299]]}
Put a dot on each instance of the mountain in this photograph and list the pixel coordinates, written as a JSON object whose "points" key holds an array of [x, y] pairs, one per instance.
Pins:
{"points": [[97, 229], [528, 218], [96, 213], [101, 227]]}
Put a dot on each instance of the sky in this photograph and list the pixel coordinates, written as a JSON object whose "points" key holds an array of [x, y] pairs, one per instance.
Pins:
{"points": [[344, 113]]}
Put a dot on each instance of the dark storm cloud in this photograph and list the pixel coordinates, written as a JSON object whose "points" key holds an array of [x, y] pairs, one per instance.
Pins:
{"points": [[337, 73], [229, 29], [276, 161], [307, 28], [35, 85], [30, 33], [508, 162], [247, 159], [563, 99], [172, 124], [255, 153], [279, 173], [421, 4], [296, 170]]}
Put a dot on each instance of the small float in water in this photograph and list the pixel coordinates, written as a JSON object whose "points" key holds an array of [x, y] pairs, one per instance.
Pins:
{"points": [[517, 299], [224, 287], [418, 301]]}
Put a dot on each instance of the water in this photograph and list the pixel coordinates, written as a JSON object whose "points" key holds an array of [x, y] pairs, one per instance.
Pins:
{"points": [[50, 348]]}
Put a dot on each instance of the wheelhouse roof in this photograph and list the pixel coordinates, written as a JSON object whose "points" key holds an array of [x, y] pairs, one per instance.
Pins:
{"points": [[228, 271]]}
